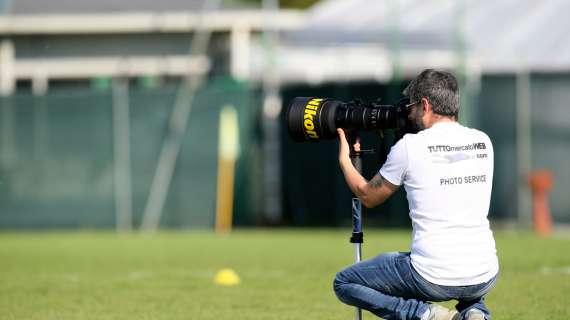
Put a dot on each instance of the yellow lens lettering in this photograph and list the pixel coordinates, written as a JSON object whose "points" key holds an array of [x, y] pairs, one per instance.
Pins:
{"points": [[309, 125], [309, 116]]}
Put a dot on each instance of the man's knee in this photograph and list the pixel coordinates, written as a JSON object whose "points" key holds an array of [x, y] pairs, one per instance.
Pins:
{"points": [[339, 282]]}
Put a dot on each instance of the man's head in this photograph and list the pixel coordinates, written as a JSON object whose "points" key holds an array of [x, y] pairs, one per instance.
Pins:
{"points": [[435, 95]]}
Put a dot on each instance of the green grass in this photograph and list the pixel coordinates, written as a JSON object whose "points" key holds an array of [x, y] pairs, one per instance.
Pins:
{"points": [[286, 274]]}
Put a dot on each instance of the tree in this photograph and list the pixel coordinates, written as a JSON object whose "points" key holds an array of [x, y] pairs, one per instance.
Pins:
{"points": [[298, 4]]}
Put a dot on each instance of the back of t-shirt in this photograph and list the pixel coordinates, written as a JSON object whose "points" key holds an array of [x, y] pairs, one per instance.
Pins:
{"points": [[447, 171]]}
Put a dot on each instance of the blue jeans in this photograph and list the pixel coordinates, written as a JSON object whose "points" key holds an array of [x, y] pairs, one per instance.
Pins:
{"points": [[389, 287]]}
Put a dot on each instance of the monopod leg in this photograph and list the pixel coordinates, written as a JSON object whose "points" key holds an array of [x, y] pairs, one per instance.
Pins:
{"points": [[357, 238]]}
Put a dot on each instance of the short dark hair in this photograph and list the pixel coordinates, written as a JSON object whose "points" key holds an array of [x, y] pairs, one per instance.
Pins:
{"points": [[439, 87]]}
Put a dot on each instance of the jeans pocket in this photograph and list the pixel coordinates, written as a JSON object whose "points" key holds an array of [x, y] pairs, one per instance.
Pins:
{"points": [[404, 266], [481, 290], [430, 291]]}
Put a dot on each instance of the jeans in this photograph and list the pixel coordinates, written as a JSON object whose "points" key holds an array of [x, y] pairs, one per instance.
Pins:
{"points": [[389, 287]]}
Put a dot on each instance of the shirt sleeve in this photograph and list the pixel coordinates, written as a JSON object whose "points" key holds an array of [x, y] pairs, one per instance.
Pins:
{"points": [[394, 169]]}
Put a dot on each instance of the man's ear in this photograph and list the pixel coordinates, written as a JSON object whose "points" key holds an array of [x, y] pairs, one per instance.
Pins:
{"points": [[426, 106]]}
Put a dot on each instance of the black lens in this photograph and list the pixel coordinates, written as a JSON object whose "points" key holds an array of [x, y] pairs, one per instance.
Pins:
{"points": [[367, 117], [312, 119]]}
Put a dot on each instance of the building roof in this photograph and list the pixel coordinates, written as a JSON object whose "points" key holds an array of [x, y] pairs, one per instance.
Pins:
{"points": [[502, 35], [27, 7]]}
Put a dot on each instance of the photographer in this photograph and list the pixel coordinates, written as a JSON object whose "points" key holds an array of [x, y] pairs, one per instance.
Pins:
{"points": [[447, 172]]}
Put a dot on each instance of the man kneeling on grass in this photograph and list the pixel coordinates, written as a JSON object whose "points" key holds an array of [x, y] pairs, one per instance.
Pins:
{"points": [[447, 172]]}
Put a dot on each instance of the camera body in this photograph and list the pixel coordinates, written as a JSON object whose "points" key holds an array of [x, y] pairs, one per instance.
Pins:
{"points": [[313, 119]]}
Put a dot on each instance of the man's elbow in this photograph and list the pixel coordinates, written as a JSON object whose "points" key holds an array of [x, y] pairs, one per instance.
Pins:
{"points": [[369, 202], [368, 198]]}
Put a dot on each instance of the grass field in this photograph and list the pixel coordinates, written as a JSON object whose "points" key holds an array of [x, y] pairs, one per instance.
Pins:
{"points": [[286, 274]]}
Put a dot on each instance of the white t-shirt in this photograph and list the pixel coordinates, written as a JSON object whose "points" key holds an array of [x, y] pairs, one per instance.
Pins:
{"points": [[447, 171]]}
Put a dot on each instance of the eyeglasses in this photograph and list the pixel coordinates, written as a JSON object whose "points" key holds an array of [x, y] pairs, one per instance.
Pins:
{"points": [[406, 104], [409, 105]]}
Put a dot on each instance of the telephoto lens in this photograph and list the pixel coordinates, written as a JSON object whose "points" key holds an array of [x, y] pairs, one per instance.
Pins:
{"points": [[313, 119]]}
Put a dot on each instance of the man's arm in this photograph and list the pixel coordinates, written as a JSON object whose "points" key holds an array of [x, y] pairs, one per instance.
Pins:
{"points": [[371, 193]]}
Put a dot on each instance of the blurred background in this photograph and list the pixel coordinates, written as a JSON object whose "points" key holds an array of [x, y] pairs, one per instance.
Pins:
{"points": [[142, 114]]}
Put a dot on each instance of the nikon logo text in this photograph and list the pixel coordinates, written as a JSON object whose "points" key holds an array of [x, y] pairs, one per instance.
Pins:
{"points": [[309, 117]]}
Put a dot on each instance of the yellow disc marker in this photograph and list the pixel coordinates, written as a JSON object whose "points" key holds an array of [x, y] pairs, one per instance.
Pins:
{"points": [[226, 277]]}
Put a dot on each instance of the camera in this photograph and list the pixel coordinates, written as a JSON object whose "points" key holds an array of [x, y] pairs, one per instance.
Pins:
{"points": [[313, 119]]}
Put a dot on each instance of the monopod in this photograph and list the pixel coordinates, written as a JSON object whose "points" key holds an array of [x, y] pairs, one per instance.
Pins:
{"points": [[357, 236]]}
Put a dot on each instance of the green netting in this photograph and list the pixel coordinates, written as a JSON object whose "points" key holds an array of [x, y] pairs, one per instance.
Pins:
{"points": [[550, 138], [550, 101], [57, 158], [57, 161]]}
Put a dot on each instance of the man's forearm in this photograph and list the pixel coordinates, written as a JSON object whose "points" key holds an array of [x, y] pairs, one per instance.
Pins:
{"points": [[354, 179], [371, 193]]}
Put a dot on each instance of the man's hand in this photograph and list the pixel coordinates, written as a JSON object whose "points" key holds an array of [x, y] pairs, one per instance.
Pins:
{"points": [[344, 146]]}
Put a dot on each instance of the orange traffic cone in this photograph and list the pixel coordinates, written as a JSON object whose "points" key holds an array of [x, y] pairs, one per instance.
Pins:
{"points": [[541, 182]]}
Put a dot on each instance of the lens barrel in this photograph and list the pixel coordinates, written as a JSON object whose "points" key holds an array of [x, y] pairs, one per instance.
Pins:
{"points": [[313, 119]]}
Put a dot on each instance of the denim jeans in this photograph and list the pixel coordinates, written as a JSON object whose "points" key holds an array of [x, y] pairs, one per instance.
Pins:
{"points": [[389, 287]]}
